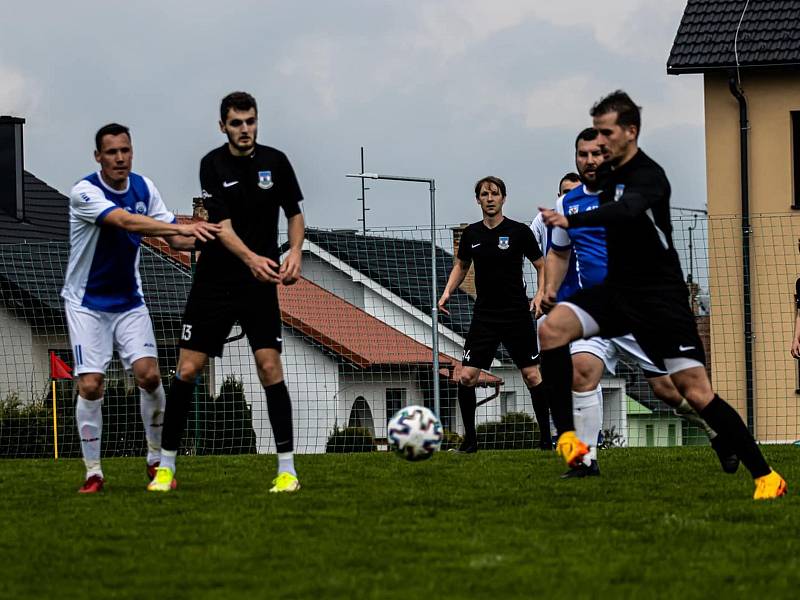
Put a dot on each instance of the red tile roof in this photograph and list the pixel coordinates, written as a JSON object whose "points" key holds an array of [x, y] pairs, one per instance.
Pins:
{"points": [[344, 328]]}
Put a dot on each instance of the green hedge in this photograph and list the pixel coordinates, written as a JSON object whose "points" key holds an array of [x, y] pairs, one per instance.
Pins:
{"points": [[350, 439], [221, 425], [514, 431]]}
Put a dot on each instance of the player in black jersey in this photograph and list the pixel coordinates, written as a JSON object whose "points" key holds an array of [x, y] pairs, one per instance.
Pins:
{"points": [[644, 292], [497, 246], [245, 185]]}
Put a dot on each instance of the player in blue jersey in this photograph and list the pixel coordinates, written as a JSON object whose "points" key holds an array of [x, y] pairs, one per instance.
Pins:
{"points": [[110, 211], [644, 293], [581, 254], [541, 406]]}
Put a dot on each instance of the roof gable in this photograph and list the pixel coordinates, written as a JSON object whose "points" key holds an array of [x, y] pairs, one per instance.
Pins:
{"points": [[769, 35]]}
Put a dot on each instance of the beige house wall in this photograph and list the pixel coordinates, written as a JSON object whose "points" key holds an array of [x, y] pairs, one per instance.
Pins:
{"points": [[775, 262]]}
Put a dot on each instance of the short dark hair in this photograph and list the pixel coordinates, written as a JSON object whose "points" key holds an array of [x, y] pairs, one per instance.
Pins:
{"points": [[619, 102], [587, 135], [490, 179], [238, 100], [571, 176], [110, 129]]}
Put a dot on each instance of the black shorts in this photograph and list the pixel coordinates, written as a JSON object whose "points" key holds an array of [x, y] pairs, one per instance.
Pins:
{"points": [[661, 321], [213, 308], [517, 335]]}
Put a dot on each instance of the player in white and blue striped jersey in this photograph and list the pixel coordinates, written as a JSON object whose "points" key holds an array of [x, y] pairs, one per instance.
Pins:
{"points": [[110, 211]]}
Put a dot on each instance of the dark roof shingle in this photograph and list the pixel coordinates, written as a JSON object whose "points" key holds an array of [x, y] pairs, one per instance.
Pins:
{"points": [[46, 215], [769, 35]]}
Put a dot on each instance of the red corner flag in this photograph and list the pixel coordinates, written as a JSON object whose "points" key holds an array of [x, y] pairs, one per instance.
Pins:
{"points": [[58, 368]]}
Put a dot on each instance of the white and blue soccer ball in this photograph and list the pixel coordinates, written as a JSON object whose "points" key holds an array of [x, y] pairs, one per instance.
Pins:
{"points": [[415, 433]]}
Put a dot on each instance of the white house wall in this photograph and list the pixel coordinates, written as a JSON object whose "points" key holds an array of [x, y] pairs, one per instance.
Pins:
{"points": [[312, 380], [374, 392], [24, 360], [333, 280]]}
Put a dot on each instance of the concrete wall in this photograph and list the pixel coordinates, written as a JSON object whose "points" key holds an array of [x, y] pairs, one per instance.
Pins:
{"points": [[771, 96]]}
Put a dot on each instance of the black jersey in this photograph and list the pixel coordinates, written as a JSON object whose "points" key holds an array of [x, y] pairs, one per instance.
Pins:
{"points": [[634, 208], [498, 256], [250, 191]]}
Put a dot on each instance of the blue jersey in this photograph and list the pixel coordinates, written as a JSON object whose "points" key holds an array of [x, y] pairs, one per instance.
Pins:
{"points": [[543, 235], [588, 244], [103, 269]]}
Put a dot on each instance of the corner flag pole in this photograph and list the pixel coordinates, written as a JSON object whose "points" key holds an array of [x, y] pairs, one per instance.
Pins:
{"points": [[55, 423]]}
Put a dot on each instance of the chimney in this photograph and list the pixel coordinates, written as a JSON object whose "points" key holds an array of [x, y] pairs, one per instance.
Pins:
{"points": [[11, 167], [468, 285]]}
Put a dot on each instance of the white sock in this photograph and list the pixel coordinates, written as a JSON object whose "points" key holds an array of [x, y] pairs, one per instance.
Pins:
{"points": [[168, 459], [587, 408], [286, 463], [152, 407], [89, 418]]}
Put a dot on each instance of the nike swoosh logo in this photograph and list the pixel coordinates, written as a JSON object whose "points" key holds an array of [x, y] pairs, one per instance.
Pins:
{"points": [[278, 339], [685, 348], [534, 357], [229, 183], [475, 245]]}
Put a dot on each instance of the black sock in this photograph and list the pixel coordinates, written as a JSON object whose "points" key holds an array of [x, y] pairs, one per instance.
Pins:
{"points": [[466, 402], [279, 407], [176, 411], [542, 412], [557, 372], [724, 419]]}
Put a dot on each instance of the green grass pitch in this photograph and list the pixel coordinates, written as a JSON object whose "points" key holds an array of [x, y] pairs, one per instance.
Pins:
{"points": [[658, 523]]}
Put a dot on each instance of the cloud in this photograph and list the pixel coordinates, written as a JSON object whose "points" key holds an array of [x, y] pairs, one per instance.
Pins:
{"points": [[626, 27], [312, 60], [19, 95]]}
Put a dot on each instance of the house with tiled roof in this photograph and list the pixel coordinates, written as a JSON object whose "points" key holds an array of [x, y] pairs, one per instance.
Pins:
{"points": [[748, 55]]}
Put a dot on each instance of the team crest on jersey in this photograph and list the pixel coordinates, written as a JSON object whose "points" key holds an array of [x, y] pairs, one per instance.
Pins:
{"points": [[502, 242], [140, 208], [265, 179], [572, 209], [619, 191]]}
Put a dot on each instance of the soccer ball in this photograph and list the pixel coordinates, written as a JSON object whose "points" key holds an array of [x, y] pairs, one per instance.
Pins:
{"points": [[415, 433]]}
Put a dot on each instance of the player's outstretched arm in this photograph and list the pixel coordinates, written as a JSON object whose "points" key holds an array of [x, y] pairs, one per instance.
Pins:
{"points": [[556, 267], [148, 226], [457, 275], [293, 263], [262, 268]]}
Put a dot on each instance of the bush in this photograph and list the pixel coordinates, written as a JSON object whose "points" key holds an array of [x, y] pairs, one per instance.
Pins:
{"points": [[350, 439], [514, 431], [224, 425], [451, 440]]}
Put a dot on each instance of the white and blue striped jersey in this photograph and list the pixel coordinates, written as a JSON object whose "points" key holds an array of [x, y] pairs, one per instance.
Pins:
{"points": [[544, 237], [588, 244], [103, 269]]}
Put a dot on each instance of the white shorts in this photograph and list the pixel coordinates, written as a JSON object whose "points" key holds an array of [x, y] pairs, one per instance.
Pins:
{"points": [[609, 350], [95, 335]]}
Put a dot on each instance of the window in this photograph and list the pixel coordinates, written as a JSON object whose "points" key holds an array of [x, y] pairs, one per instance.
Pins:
{"points": [[795, 114], [672, 435], [361, 415], [650, 435], [395, 400]]}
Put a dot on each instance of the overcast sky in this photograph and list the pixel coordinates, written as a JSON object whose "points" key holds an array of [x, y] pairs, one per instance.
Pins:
{"points": [[449, 89]]}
